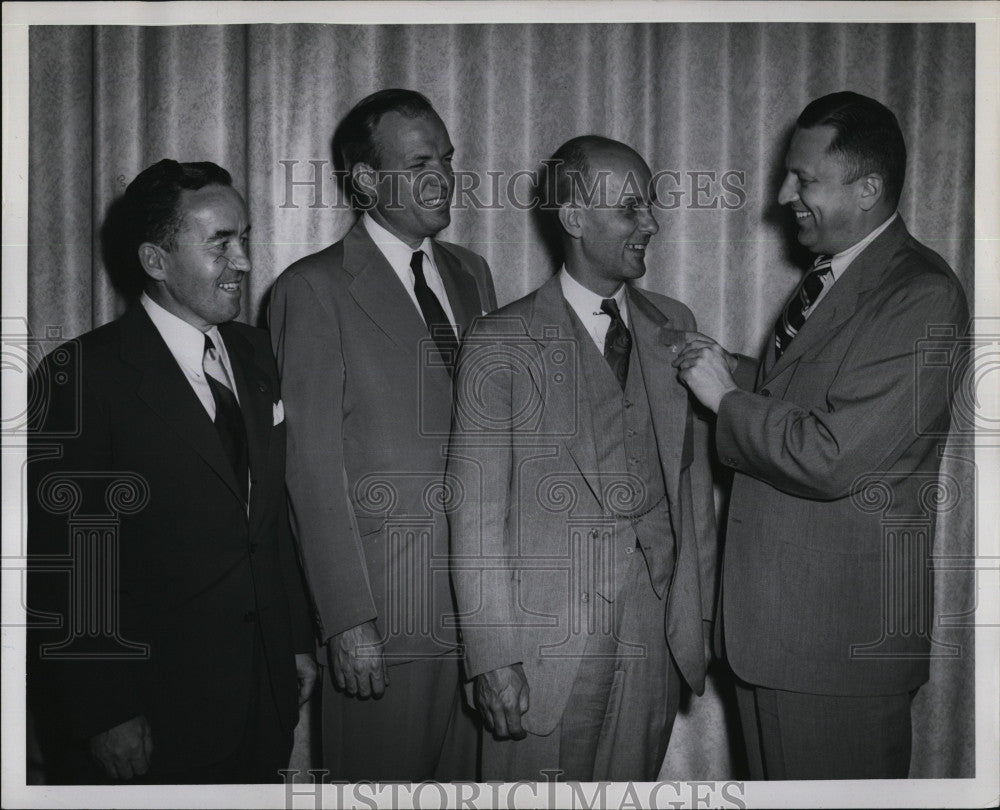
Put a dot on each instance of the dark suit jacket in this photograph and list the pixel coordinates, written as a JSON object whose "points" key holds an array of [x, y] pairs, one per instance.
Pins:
{"points": [[368, 407], [196, 579], [524, 455], [826, 588]]}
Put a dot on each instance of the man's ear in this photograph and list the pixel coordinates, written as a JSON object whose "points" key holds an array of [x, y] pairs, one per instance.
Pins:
{"points": [[363, 179], [872, 191], [569, 218], [153, 260]]}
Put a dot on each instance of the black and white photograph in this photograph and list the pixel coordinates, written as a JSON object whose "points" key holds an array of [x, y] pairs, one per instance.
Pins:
{"points": [[501, 404]]}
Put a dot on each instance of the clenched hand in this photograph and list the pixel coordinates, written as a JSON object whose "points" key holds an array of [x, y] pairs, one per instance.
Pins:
{"points": [[125, 750], [357, 662], [501, 696]]}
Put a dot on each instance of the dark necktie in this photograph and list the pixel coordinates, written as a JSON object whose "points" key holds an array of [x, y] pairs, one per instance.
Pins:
{"points": [[793, 316], [434, 315], [618, 341], [228, 418]]}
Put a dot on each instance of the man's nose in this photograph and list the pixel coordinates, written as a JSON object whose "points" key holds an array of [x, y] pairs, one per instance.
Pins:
{"points": [[789, 191], [648, 223], [239, 260]]}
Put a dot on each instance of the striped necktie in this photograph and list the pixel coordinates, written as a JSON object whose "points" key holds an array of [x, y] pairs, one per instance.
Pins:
{"points": [[805, 296]]}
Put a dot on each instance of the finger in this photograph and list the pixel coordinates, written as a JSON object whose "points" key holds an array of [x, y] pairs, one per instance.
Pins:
{"points": [[514, 723], [378, 682], [350, 680], [337, 673], [139, 764], [124, 769], [363, 684], [499, 722]]}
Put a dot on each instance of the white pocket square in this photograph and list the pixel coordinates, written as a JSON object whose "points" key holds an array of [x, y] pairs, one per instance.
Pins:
{"points": [[278, 410]]}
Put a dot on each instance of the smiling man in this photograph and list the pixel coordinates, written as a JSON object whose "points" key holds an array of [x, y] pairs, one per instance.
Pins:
{"points": [[204, 638], [366, 332], [583, 531], [837, 434]]}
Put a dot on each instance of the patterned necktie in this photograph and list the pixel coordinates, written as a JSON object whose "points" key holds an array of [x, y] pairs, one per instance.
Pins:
{"points": [[618, 341], [434, 315], [805, 296], [228, 418]]}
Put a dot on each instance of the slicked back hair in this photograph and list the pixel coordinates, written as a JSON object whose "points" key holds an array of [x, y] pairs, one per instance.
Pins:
{"points": [[867, 140]]}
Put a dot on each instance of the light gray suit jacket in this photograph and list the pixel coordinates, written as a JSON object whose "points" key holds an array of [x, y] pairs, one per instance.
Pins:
{"points": [[524, 461], [826, 585], [368, 409]]}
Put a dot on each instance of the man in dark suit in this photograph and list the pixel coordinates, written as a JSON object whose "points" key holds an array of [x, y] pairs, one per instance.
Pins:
{"points": [[365, 333], [583, 531], [827, 596], [183, 648]]}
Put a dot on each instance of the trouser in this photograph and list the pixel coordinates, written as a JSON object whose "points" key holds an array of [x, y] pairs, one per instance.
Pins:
{"points": [[417, 731], [261, 751], [793, 735], [621, 706]]}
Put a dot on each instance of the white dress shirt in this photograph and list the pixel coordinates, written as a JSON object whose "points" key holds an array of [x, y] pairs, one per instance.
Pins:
{"points": [[587, 306], [187, 345], [398, 254], [839, 262]]}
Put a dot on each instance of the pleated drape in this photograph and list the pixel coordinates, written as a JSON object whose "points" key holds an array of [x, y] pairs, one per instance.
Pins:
{"points": [[706, 104]]}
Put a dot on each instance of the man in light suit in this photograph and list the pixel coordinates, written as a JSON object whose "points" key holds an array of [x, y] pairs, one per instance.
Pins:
{"points": [[583, 530], [827, 597], [166, 430], [365, 333]]}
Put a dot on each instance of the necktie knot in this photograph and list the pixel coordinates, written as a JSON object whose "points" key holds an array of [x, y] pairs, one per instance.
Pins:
{"points": [[609, 306], [417, 266]]}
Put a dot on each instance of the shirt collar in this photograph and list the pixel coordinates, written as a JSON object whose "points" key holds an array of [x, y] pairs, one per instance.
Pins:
{"points": [[186, 342], [586, 302], [396, 251], [839, 262]]}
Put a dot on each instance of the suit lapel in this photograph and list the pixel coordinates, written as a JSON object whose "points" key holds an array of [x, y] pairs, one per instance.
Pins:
{"points": [[463, 294], [378, 291], [550, 322], [668, 399], [165, 389], [862, 275]]}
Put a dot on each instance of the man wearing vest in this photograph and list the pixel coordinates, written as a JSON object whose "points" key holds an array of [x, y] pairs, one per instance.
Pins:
{"points": [[582, 526], [841, 430]]}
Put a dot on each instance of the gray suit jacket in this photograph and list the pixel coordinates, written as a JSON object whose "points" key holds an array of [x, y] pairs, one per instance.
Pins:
{"points": [[368, 409], [524, 461], [826, 586]]}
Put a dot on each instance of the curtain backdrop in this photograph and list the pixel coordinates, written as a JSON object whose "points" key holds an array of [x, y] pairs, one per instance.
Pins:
{"points": [[710, 105]]}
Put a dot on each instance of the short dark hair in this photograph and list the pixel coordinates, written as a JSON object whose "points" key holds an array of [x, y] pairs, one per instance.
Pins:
{"points": [[868, 137], [354, 138], [153, 196], [147, 212]]}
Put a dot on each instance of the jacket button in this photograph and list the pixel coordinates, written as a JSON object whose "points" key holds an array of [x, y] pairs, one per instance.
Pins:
{"points": [[764, 392], [585, 597], [249, 617], [629, 549], [262, 387]]}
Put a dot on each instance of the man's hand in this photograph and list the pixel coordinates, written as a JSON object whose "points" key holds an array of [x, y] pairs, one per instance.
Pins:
{"points": [[125, 750], [306, 669], [706, 369], [356, 661], [502, 699]]}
